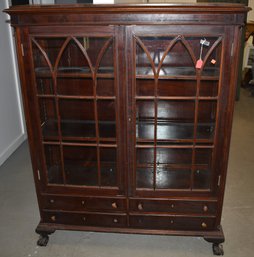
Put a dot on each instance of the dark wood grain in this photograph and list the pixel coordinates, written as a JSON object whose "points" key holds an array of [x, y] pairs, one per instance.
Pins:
{"points": [[125, 134]]}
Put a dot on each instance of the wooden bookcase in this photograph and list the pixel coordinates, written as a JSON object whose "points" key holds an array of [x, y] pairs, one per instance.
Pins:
{"points": [[125, 133]]}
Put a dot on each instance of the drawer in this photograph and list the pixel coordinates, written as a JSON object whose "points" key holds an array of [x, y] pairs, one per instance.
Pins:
{"points": [[172, 206], [167, 222], [70, 203], [85, 219]]}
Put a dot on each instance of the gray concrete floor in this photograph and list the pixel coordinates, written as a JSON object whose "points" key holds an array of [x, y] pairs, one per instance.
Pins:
{"points": [[19, 212]]}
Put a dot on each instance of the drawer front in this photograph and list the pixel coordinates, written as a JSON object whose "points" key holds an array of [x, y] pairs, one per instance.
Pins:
{"points": [[167, 222], [85, 219], [70, 203], [172, 206]]}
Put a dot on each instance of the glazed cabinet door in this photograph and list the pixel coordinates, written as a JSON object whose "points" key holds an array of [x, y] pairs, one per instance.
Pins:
{"points": [[174, 107], [76, 83]]}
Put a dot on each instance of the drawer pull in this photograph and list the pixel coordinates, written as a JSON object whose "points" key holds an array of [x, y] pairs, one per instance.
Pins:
{"points": [[115, 220], [114, 205], [140, 206], [84, 218], [51, 201], [172, 206], [53, 218], [171, 221], [205, 208], [83, 202], [204, 225]]}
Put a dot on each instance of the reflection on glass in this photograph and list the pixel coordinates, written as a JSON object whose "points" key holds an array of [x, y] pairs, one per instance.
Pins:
{"points": [[80, 165], [53, 163], [48, 119], [75, 86], [168, 178], [106, 117], [144, 163], [77, 118], [206, 119], [175, 119], [145, 119], [108, 166]]}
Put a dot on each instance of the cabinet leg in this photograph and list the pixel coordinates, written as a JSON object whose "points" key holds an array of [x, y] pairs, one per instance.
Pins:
{"points": [[43, 240], [44, 235], [218, 249], [217, 239]]}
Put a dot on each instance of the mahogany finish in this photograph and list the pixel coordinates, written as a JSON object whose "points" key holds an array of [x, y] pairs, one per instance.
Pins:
{"points": [[125, 133]]}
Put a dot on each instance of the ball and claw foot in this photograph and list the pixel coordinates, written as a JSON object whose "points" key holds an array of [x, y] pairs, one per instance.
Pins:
{"points": [[43, 240], [218, 249]]}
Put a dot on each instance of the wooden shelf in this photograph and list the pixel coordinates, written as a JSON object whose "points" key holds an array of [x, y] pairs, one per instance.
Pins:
{"points": [[173, 131], [73, 72], [182, 73], [77, 130]]}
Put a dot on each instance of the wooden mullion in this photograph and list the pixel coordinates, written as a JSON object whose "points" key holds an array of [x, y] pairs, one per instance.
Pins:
{"points": [[155, 129], [59, 126], [97, 128], [195, 129]]}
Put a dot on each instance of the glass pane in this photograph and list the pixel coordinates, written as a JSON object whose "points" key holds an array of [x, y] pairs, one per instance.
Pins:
{"points": [[177, 87], [145, 119], [213, 63], [108, 166], [73, 59], [45, 86], [145, 162], [105, 87], [178, 62], [203, 156], [107, 61], [145, 87], [80, 164], [167, 156], [144, 177], [208, 88], [51, 47], [175, 120], [212, 66], [77, 118], [143, 65], [202, 179], [106, 117], [75, 86], [206, 119], [53, 163], [48, 119], [169, 178]]}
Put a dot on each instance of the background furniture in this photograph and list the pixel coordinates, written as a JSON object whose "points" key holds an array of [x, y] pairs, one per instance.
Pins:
{"points": [[126, 135]]}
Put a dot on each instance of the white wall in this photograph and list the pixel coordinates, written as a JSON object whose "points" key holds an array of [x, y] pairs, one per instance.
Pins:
{"points": [[251, 13], [12, 131]]}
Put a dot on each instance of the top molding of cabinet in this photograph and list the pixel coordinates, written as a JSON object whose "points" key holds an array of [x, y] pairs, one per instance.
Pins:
{"points": [[127, 14]]}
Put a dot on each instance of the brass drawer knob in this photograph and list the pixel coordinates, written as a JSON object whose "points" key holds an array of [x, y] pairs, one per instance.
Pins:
{"points": [[53, 218], [204, 225], [83, 202], [172, 206], [205, 208], [171, 221], [114, 205], [84, 218], [115, 220], [140, 206], [51, 201]]}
